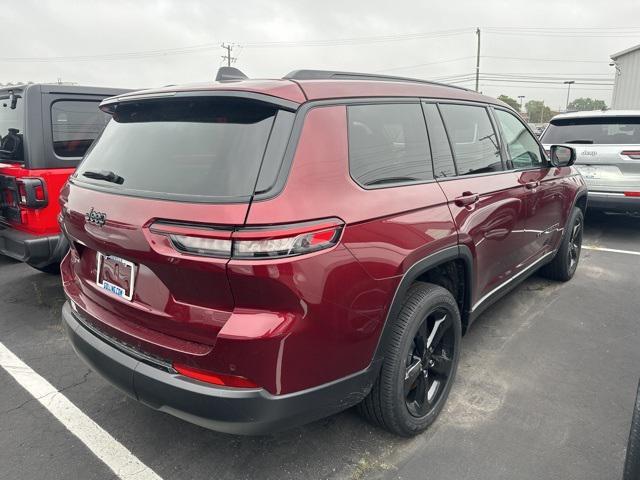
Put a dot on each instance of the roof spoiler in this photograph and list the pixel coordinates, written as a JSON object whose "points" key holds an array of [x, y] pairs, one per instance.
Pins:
{"points": [[229, 74]]}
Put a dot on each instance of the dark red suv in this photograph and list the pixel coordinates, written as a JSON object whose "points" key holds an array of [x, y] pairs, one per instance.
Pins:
{"points": [[255, 254]]}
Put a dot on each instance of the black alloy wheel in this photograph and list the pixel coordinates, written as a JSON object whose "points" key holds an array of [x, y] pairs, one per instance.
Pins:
{"points": [[575, 245], [421, 354], [429, 363]]}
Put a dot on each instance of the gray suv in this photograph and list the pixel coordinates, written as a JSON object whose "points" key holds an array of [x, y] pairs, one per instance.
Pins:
{"points": [[607, 144]]}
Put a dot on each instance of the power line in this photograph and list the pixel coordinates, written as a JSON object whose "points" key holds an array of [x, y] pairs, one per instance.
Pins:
{"points": [[211, 46]]}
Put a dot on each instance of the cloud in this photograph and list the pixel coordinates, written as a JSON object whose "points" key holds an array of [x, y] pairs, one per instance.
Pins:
{"points": [[65, 28]]}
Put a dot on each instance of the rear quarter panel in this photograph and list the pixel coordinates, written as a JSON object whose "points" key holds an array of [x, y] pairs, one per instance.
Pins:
{"points": [[338, 299]]}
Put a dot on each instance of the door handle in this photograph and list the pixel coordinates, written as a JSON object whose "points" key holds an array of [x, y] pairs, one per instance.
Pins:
{"points": [[466, 199], [532, 185]]}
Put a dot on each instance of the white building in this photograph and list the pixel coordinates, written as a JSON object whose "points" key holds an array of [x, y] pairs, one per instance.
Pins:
{"points": [[626, 90]]}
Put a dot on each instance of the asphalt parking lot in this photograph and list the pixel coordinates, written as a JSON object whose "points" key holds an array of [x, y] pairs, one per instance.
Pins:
{"points": [[545, 389]]}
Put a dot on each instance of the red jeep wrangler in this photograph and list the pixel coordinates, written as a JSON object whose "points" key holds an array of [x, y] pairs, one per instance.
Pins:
{"points": [[256, 254], [44, 132]]}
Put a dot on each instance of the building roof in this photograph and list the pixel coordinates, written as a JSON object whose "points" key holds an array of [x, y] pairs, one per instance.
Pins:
{"points": [[624, 52]]}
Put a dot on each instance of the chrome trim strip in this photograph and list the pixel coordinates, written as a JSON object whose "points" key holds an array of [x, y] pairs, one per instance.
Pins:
{"points": [[505, 283], [606, 194]]}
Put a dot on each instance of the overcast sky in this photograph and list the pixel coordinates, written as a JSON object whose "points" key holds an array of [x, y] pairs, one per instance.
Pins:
{"points": [[128, 43]]}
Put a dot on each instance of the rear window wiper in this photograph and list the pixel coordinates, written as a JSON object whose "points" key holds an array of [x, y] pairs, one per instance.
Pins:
{"points": [[106, 175], [382, 181], [578, 141]]}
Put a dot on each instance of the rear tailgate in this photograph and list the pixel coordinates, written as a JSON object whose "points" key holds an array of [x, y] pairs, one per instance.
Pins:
{"points": [[180, 295], [162, 168], [611, 168]]}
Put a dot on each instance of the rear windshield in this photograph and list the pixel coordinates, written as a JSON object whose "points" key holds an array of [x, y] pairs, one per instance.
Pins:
{"points": [[11, 127], [186, 149], [603, 130]]}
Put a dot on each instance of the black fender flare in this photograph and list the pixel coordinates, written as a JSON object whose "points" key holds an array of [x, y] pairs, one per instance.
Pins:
{"points": [[457, 252]]}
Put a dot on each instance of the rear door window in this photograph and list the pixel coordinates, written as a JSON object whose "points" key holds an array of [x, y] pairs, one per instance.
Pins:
{"points": [[75, 125], [474, 141], [523, 149], [594, 130], [443, 165], [388, 144], [194, 149], [11, 126]]}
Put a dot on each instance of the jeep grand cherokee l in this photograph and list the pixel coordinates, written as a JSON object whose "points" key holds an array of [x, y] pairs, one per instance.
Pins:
{"points": [[607, 147], [255, 254], [44, 132]]}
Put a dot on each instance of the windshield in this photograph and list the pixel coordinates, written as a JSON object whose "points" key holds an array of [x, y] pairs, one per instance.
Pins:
{"points": [[11, 127], [181, 149], [602, 130]]}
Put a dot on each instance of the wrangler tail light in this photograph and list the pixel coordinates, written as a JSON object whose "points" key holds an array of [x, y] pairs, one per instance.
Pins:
{"points": [[215, 378], [262, 242], [31, 192], [632, 154]]}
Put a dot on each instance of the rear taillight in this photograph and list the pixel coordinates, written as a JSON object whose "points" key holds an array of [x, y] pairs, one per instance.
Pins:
{"points": [[262, 242], [214, 378], [32, 192], [632, 154], [632, 194]]}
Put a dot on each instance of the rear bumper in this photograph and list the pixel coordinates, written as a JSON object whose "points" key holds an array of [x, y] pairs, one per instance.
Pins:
{"points": [[37, 251], [613, 201], [236, 411]]}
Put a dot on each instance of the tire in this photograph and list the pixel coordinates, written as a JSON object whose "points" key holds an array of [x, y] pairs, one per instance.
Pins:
{"points": [[51, 269], [632, 459], [564, 264], [425, 338]]}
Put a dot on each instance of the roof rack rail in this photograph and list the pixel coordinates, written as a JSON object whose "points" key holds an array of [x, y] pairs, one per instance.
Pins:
{"points": [[336, 75]]}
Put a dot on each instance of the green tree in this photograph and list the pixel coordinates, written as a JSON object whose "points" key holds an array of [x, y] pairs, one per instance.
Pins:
{"points": [[583, 104], [510, 101], [538, 112]]}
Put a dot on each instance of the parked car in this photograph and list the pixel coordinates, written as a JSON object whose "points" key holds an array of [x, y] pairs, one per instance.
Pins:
{"points": [[44, 132], [256, 254], [608, 154]]}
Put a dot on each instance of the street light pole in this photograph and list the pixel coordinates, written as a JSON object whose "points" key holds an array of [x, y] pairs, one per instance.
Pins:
{"points": [[568, 83], [521, 97]]}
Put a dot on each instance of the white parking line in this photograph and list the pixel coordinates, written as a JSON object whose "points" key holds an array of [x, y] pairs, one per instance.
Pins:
{"points": [[117, 457], [613, 250]]}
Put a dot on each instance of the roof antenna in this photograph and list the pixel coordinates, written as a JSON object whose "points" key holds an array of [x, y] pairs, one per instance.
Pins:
{"points": [[230, 74]]}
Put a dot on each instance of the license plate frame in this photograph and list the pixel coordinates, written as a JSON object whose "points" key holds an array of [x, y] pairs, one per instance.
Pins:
{"points": [[113, 289]]}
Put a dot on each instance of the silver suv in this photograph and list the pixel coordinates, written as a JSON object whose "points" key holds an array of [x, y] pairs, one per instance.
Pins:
{"points": [[607, 144]]}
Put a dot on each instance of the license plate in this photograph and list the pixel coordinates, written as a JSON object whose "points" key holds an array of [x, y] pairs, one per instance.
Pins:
{"points": [[115, 275], [589, 172]]}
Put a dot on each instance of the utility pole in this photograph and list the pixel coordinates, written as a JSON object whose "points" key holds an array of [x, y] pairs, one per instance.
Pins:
{"points": [[478, 61], [229, 59], [542, 112], [521, 97], [568, 83]]}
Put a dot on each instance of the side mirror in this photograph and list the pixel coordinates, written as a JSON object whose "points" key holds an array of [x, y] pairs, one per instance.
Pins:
{"points": [[562, 156]]}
